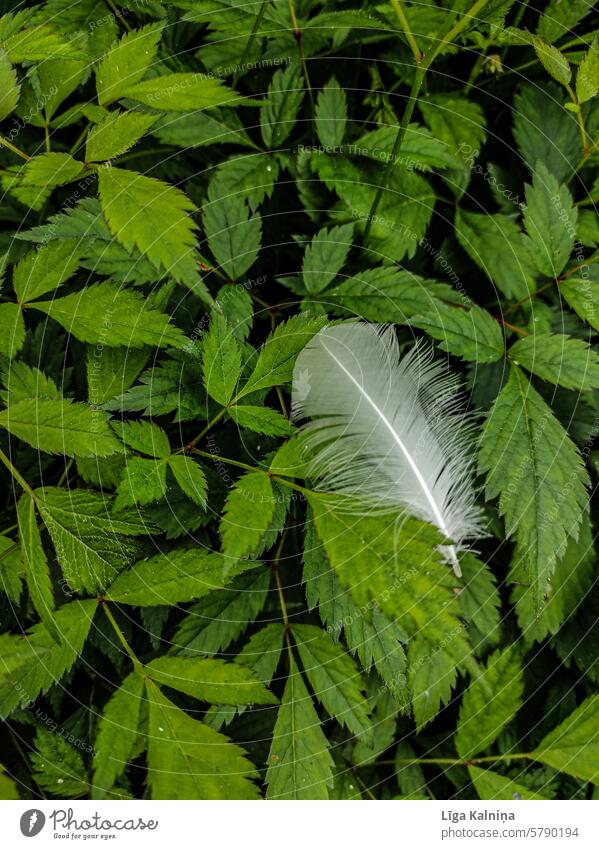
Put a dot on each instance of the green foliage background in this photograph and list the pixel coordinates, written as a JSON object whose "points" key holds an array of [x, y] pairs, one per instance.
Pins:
{"points": [[190, 191]]}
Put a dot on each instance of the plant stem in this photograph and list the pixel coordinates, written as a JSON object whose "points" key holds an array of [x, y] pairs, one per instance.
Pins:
{"points": [[205, 430], [297, 34], [136, 662], [513, 307], [65, 474], [460, 761], [16, 474], [407, 30], [455, 31], [118, 15], [279, 583], [241, 465], [249, 42], [421, 69], [9, 550], [279, 392], [476, 68], [17, 744], [14, 149], [80, 139], [579, 118], [519, 330], [401, 132], [230, 462], [517, 18], [589, 152]]}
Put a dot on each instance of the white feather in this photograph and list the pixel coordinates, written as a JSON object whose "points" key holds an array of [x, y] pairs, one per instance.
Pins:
{"points": [[386, 428]]}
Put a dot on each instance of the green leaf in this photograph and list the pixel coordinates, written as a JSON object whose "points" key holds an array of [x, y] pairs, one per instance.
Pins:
{"points": [[387, 294], [490, 703], [331, 114], [189, 760], [544, 131], [479, 599], [61, 427], [587, 79], [550, 221], [152, 216], [496, 245], [11, 569], [37, 43], [45, 172], [247, 514], [406, 202], [179, 576], [492, 786], [208, 680], [431, 676], [144, 436], [536, 471], [260, 419], [45, 269], [458, 122], [108, 314], [384, 720], [92, 545], [283, 100], [37, 571], [262, 651], [117, 733], [57, 766], [234, 235], [12, 329], [559, 18], [183, 93], [554, 61], [470, 334], [581, 292], [142, 482], [210, 127], [190, 478], [260, 654], [567, 362], [299, 764], [23, 382], [251, 177], [389, 562], [325, 256], [116, 134], [420, 150], [221, 360], [335, 679], [8, 788], [126, 62], [410, 776], [110, 370], [221, 617], [31, 663], [9, 87], [573, 746], [236, 305], [570, 583], [277, 356]]}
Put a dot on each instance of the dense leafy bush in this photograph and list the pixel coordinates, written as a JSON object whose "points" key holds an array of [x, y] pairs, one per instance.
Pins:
{"points": [[191, 191]]}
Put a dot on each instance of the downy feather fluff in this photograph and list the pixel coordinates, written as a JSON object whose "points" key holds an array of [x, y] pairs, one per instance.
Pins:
{"points": [[387, 429]]}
